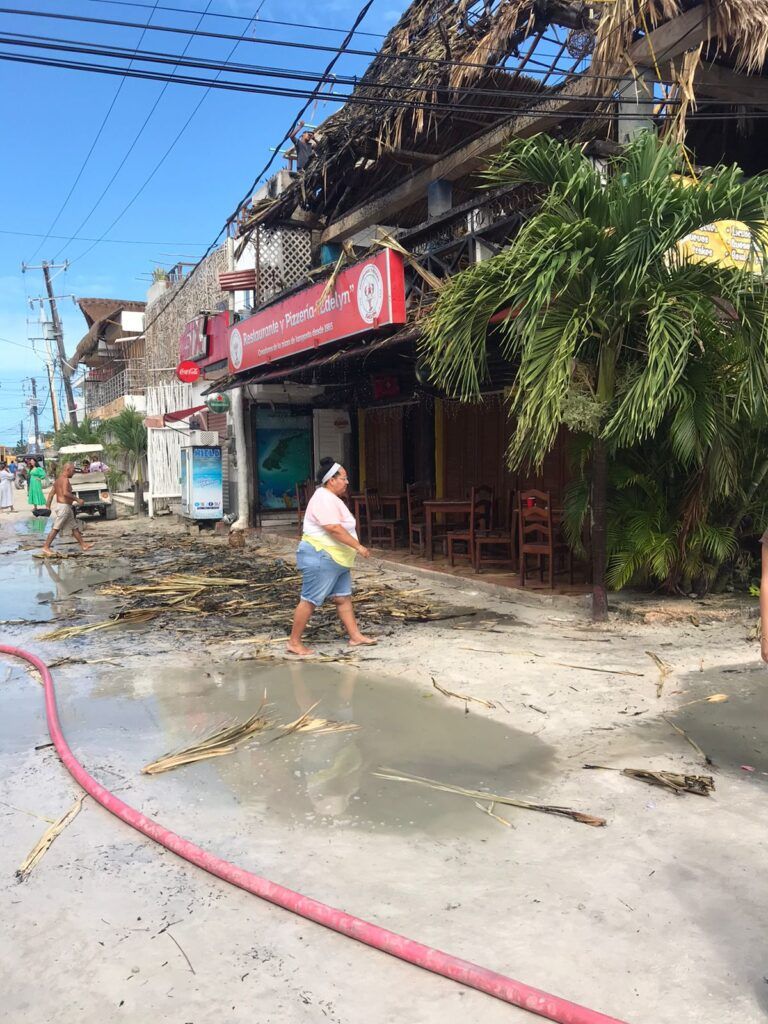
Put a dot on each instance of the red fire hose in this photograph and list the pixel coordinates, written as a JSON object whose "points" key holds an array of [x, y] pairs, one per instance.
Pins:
{"points": [[551, 1007]]}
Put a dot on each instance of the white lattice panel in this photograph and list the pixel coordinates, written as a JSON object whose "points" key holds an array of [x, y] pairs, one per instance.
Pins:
{"points": [[284, 259]]}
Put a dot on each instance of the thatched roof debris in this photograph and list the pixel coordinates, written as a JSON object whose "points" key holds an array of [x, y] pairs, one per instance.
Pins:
{"points": [[451, 68]]}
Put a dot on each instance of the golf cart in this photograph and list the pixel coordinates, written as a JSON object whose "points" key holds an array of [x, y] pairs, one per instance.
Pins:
{"points": [[91, 488]]}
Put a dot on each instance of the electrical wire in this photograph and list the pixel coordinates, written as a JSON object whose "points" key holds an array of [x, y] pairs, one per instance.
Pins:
{"points": [[267, 71], [133, 142], [92, 147], [291, 44], [165, 155], [112, 241], [242, 17], [19, 344], [344, 98], [341, 49]]}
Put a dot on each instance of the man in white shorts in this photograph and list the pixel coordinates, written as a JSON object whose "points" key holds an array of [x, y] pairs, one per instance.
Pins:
{"points": [[64, 513]]}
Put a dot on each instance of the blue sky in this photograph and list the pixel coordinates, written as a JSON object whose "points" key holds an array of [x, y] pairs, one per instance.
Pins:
{"points": [[49, 121]]}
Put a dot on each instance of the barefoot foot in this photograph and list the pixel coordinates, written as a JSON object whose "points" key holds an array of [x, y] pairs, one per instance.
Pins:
{"points": [[298, 649], [363, 641]]}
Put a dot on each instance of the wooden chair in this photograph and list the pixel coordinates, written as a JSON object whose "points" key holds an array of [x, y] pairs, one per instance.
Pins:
{"points": [[467, 535], [539, 534], [485, 497], [416, 495], [504, 538], [303, 493], [380, 527]]}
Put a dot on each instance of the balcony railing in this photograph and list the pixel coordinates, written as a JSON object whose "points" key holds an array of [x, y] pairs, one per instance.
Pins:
{"points": [[130, 381]]}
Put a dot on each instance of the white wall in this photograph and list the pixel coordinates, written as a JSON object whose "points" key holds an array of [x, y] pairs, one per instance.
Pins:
{"points": [[132, 321]]}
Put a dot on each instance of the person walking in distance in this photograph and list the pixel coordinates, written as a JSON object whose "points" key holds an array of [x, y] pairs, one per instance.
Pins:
{"points": [[36, 475], [64, 513], [6, 488]]}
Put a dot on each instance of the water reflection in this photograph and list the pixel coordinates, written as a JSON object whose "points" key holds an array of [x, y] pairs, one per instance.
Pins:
{"points": [[331, 764], [320, 780]]}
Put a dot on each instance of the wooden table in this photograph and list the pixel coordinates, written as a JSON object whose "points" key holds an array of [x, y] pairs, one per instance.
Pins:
{"points": [[434, 507], [396, 501]]}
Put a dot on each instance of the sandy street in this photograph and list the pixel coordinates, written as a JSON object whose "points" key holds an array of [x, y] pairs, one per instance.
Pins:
{"points": [[659, 917]]}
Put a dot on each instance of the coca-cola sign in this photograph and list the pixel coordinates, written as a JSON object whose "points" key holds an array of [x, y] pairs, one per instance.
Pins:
{"points": [[188, 372]]}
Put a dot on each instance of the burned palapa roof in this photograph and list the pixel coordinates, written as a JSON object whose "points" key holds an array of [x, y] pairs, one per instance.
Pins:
{"points": [[451, 68]]}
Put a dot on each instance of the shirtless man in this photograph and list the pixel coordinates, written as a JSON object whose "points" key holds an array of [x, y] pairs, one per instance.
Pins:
{"points": [[64, 513]]}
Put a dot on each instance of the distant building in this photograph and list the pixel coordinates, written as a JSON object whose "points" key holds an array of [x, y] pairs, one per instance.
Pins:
{"points": [[113, 357]]}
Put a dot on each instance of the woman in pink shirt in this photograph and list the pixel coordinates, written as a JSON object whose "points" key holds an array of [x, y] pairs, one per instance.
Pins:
{"points": [[325, 555]]}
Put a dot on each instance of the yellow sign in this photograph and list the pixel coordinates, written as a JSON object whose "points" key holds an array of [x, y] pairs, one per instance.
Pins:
{"points": [[727, 242]]}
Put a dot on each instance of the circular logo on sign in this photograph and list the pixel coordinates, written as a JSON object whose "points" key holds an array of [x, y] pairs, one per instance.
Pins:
{"points": [[236, 348], [370, 293], [188, 372]]}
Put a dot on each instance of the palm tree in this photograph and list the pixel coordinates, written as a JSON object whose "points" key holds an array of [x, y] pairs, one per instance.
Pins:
{"points": [[128, 438], [606, 316], [88, 431]]}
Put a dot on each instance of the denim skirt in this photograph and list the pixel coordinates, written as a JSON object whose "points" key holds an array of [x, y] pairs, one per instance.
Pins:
{"points": [[322, 577]]}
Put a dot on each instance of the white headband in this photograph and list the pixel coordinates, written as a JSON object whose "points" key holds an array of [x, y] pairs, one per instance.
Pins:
{"points": [[331, 472]]}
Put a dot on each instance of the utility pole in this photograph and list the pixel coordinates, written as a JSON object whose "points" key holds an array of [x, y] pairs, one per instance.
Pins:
{"points": [[35, 420], [21, 432], [52, 389], [58, 333]]}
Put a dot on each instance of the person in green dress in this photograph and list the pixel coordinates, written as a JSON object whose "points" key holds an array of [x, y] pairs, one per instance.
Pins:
{"points": [[35, 495]]}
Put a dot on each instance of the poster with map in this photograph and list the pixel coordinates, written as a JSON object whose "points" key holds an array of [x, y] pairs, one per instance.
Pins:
{"points": [[284, 447]]}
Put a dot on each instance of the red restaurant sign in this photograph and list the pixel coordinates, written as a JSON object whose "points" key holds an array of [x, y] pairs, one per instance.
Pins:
{"points": [[193, 343], [366, 296]]}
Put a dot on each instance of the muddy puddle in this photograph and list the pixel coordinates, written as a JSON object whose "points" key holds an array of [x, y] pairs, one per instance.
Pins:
{"points": [[732, 733], [39, 590], [735, 732], [322, 780]]}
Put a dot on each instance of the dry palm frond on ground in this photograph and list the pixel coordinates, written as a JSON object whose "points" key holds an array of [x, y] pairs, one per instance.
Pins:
{"points": [[489, 798], [464, 696], [224, 740], [318, 726], [700, 785], [47, 838]]}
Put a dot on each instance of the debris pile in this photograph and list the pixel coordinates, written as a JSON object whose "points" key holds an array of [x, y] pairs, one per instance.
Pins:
{"points": [[233, 594]]}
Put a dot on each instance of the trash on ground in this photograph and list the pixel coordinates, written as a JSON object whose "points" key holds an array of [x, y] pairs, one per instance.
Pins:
{"points": [[714, 698], [490, 812], [689, 739], [318, 726], [605, 671], [264, 588]]}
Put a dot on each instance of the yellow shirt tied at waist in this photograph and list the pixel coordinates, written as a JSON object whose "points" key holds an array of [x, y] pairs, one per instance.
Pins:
{"points": [[325, 509]]}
